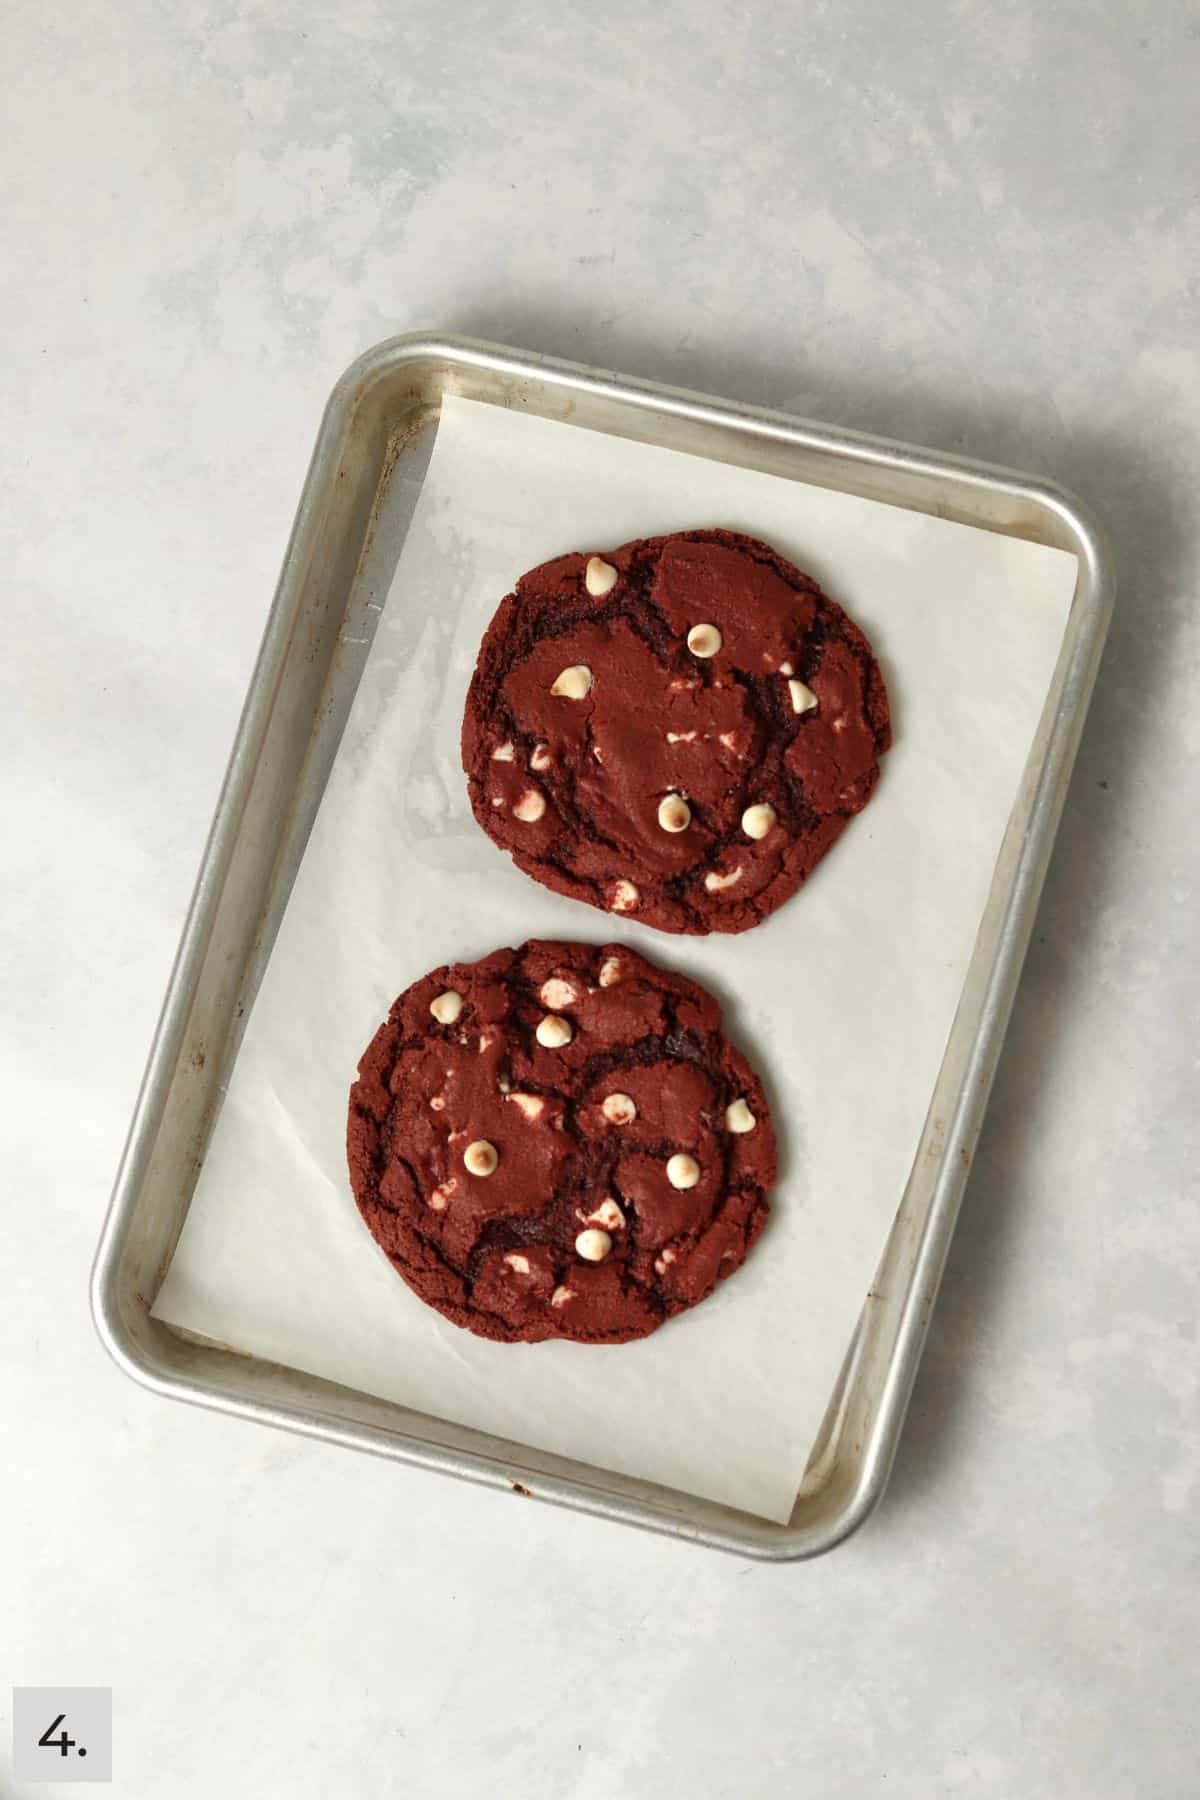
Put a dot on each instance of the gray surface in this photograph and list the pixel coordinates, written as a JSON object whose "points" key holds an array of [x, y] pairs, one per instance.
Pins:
{"points": [[976, 228]]}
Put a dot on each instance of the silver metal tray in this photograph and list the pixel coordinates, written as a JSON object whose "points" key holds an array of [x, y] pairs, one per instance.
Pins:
{"points": [[377, 433]]}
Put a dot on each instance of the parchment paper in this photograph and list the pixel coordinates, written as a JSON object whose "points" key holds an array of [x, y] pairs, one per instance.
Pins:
{"points": [[844, 999]]}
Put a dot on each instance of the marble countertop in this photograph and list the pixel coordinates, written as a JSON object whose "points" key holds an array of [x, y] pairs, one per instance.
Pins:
{"points": [[976, 228]]}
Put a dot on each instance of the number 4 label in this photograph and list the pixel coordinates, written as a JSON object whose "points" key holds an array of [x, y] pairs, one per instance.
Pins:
{"points": [[62, 1734], [63, 1744]]}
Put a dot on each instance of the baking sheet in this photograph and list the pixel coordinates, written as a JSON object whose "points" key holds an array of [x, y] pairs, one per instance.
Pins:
{"points": [[844, 999]]}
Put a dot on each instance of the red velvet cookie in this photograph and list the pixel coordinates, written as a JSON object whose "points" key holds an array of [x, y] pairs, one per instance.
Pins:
{"points": [[678, 730], [559, 1141]]}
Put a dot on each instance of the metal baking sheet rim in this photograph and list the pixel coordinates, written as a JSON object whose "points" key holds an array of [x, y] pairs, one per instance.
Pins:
{"points": [[298, 695]]}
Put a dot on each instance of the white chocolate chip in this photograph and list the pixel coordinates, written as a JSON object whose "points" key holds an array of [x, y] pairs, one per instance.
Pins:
{"points": [[674, 813], [438, 1103], [517, 1263], [704, 640], [598, 753], [498, 801], [663, 1262], [716, 883], [561, 1295], [624, 896], [504, 1085], [446, 1007], [541, 757], [574, 683], [803, 698], [758, 820], [619, 1109], [530, 1106], [558, 994], [681, 737], [502, 753], [530, 806], [683, 1171], [599, 577], [611, 971], [593, 1245], [608, 1214], [440, 1196], [729, 739], [480, 1158], [785, 669], [553, 1032], [488, 1037], [738, 1117]]}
